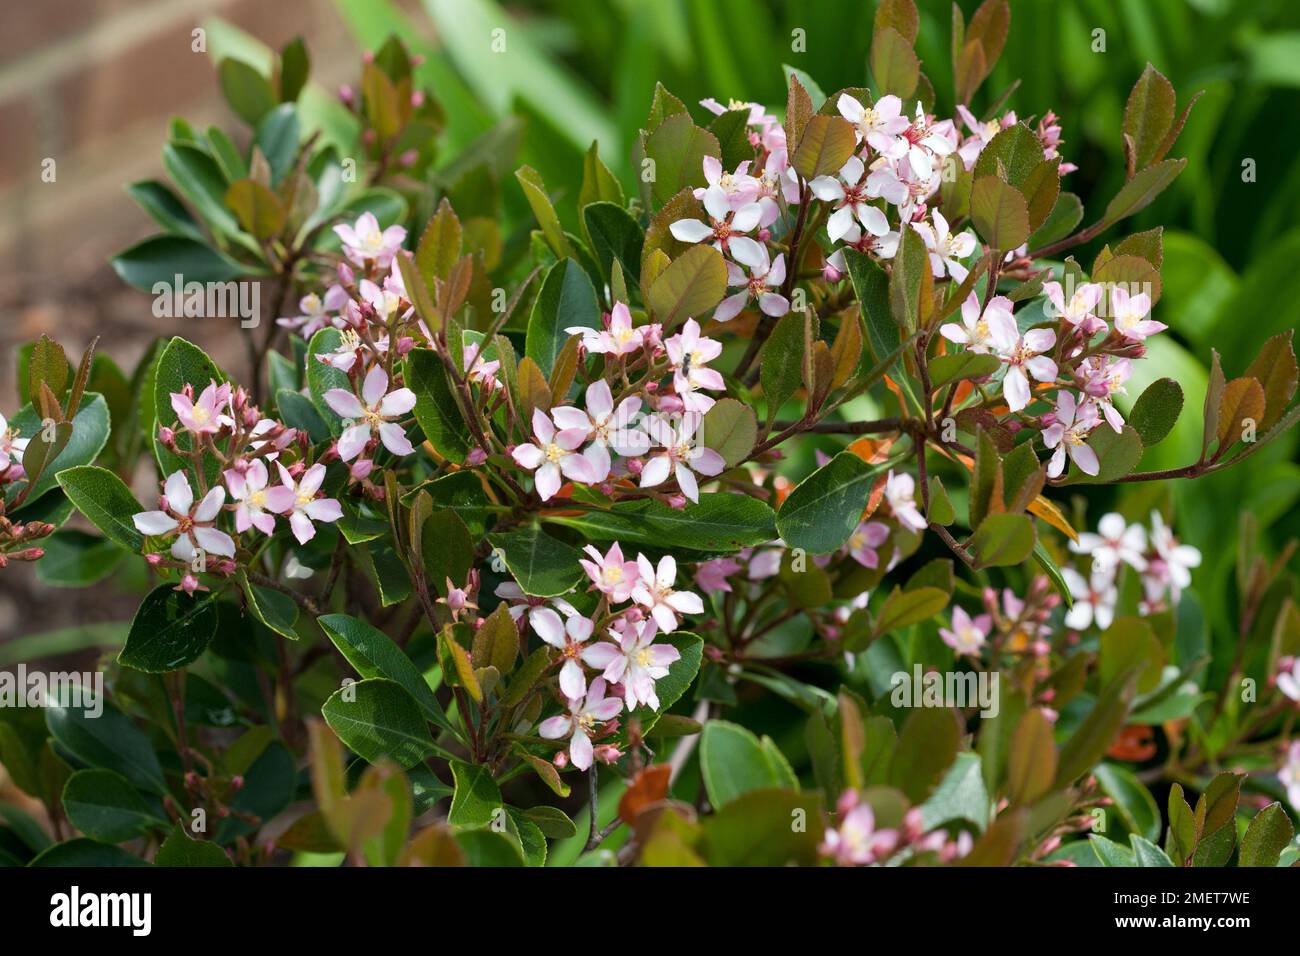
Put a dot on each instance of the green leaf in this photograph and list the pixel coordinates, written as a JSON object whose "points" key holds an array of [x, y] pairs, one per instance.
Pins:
{"points": [[754, 829], [82, 853], [1015, 152], [258, 209], [1140, 191], [781, 361], [1111, 853], [105, 807], [1147, 853], [961, 795], [733, 762], [1130, 644], [678, 147], [1118, 453], [436, 409], [615, 236], [732, 131], [1002, 540], [105, 500], [1149, 114], [180, 850], [927, 747], [201, 181], [893, 63], [904, 608], [165, 208], [542, 565], [89, 434], [382, 720], [961, 365], [170, 629], [999, 212], [567, 299], [825, 508], [911, 283], [76, 559], [247, 91], [730, 429], [1094, 735], [692, 284], [826, 145], [477, 799], [157, 261], [720, 523], [535, 192], [1133, 801], [374, 654], [277, 138], [106, 739], [1156, 410], [1269, 833]]}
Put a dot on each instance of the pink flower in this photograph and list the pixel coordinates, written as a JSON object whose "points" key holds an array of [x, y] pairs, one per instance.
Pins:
{"points": [[11, 446], [689, 352], [654, 591], [364, 241], [967, 634], [981, 134], [635, 661], [849, 194], [740, 188], [1129, 313], [946, 250], [477, 369], [1173, 564], [569, 640], [256, 502], [880, 124], [192, 524], [726, 227], [1288, 678], [346, 354], [764, 276], [856, 841], [605, 426], [619, 337], [1103, 378], [314, 312], [610, 573], [866, 538], [1023, 356], [983, 330], [208, 415], [1070, 433], [372, 417], [542, 618], [304, 506], [555, 454], [581, 722], [925, 141], [1289, 774], [680, 457], [1079, 310], [900, 491], [712, 575]]}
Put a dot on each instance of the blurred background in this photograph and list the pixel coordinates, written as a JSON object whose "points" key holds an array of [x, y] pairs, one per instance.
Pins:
{"points": [[92, 84]]}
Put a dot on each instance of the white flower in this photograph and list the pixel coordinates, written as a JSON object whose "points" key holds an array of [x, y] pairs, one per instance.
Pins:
{"points": [[373, 417], [11, 446], [849, 194], [1094, 599], [727, 227], [689, 352], [880, 124], [192, 524], [305, 507], [1069, 433], [620, 338], [556, 454], [1115, 542], [946, 250], [1289, 775], [580, 722], [680, 457], [983, 330], [900, 492], [605, 426], [569, 640], [764, 276], [654, 591], [256, 502], [1172, 566], [635, 661], [1023, 356]]}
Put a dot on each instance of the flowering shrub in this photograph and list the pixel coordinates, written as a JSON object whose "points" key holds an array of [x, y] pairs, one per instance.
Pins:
{"points": [[511, 534]]}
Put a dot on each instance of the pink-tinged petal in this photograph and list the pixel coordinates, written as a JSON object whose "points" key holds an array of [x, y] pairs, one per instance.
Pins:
{"points": [[754, 257], [397, 402], [685, 602], [183, 548], [344, 403], [851, 109], [708, 462], [656, 471], [177, 490], [264, 523], [1015, 388], [839, 223], [554, 728], [686, 481], [183, 407], [215, 542], [872, 219], [730, 307], [1041, 368], [547, 479], [394, 439], [211, 504], [664, 617], [1040, 340], [236, 482], [302, 527], [154, 522], [1085, 458], [528, 455], [597, 456], [690, 230], [772, 303], [571, 439], [1057, 464], [580, 750], [661, 655], [607, 709], [580, 469], [827, 189], [573, 682], [569, 418], [324, 509], [374, 386], [601, 655], [352, 441], [666, 573], [954, 333], [543, 428], [743, 246], [312, 479]]}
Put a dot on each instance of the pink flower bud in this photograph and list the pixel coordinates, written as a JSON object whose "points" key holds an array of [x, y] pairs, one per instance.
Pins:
{"points": [[154, 559], [607, 753], [561, 759], [409, 158], [830, 273], [677, 502], [361, 468], [346, 96], [346, 275], [417, 98], [476, 457], [634, 466]]}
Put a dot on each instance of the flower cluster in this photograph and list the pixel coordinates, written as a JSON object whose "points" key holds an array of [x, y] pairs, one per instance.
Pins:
{"points": [[627, 658], [1164, 565], [858, 841], [221, 424]]}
